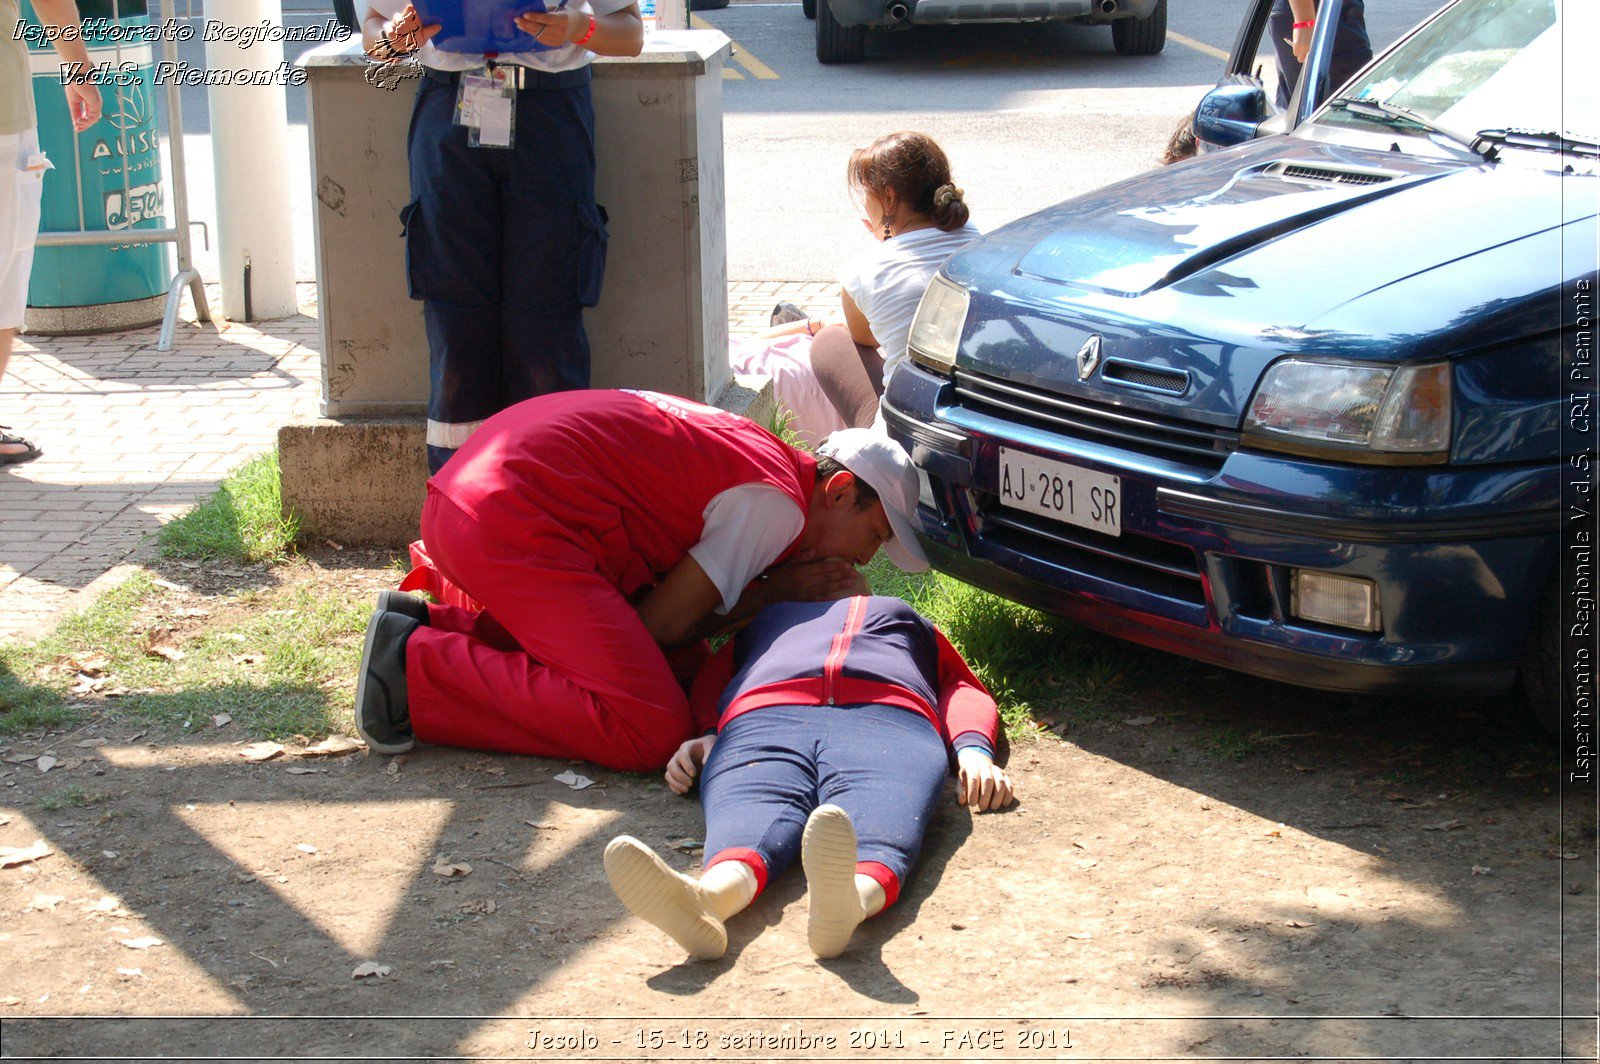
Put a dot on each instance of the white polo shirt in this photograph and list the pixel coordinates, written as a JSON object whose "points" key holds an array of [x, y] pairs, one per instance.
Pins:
{"points": [[554, 60]]}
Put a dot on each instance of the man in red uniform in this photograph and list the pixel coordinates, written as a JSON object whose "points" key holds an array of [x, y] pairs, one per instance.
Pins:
{"points": [[596, 528]]}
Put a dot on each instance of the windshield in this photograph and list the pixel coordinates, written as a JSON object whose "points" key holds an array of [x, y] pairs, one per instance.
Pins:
{"points": [[1489, 64]]}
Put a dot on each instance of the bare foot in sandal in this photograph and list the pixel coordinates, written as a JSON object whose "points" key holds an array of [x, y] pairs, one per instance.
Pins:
{"points": [[14, 450]]}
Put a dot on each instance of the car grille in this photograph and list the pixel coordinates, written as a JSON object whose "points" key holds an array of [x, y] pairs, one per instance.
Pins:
{"points": [[1142, 433], [1153, 377], [1141, 561]]}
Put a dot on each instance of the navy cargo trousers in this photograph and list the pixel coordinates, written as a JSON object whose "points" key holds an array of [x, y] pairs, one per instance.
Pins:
{"points": [[504, 247]]}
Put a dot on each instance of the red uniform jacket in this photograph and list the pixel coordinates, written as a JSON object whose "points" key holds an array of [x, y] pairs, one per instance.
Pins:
{"points": [[625, 475]]}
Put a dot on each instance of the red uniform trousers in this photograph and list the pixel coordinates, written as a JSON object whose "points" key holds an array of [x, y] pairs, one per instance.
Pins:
{"points": [[557, 665]]}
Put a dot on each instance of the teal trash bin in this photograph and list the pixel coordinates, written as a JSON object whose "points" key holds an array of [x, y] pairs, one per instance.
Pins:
{"points": [[117, 165]]}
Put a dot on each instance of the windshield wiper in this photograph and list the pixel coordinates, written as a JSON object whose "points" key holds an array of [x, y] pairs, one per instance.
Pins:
{"points": [[1537, 140], [1388, 113]]}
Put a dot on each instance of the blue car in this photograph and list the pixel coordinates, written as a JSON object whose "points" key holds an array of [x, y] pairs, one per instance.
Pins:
{"points": [[1294, 407]]}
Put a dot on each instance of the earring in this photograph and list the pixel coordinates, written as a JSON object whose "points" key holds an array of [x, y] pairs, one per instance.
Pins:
{"points": [[888, 231]]}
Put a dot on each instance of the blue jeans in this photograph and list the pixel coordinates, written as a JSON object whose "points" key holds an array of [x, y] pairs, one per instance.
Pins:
{"points": [[771, 767], [1352, 49]]}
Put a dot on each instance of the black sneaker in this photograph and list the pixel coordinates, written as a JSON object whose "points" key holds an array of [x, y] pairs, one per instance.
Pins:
{"points": [[383, 716], [784, 313], [404, 603]]}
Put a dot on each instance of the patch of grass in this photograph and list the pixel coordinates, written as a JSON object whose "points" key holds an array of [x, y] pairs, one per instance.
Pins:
{"points": [[73, 797], [1036, 665], [1230, 744], [280, 661], [242, 521], [780, 422]]}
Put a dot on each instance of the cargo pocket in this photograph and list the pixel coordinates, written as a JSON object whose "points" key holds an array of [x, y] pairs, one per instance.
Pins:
{"points": [[591, 264], [410, 232], [30, 197]]}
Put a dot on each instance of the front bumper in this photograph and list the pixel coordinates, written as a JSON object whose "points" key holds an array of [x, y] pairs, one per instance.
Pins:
{"points": [[1203, 566], [945, 12]]}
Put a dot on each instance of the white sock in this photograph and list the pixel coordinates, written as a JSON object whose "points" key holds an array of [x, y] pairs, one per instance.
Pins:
{"points": [[828, 853], [671, 901]]}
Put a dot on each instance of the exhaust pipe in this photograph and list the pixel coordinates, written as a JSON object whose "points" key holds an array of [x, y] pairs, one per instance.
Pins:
{"points": [[898, 12], [1108, 7]]}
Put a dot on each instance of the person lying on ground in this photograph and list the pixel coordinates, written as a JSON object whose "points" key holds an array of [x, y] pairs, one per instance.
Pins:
{"points": [[597, 528], [837, 725]]}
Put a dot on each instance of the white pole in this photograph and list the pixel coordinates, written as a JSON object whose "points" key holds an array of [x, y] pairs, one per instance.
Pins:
{"points": [[250, 156]]}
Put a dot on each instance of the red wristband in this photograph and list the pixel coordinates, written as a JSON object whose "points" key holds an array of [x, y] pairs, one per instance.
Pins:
{"points": [[585, 38], [1297, 25]]}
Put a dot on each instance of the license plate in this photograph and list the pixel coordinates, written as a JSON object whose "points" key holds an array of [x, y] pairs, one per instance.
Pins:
{"points": [[1060, 491]]}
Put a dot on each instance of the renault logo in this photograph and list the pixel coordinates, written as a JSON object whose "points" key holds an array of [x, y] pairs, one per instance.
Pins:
{"points": [[1088, 358]]}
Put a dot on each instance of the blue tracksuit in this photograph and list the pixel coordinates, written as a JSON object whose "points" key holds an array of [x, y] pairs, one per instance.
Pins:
{"points": [[857, 703]]}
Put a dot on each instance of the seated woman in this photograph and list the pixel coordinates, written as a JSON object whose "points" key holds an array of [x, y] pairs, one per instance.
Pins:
{"points": [[836, 728], [829, 371], [920, 218]]}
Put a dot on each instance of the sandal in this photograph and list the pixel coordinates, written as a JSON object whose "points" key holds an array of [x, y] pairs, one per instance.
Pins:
{"points": [[27, 454]]}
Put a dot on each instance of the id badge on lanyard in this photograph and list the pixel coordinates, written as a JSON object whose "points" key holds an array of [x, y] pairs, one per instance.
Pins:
{"points": [[486, 104]]}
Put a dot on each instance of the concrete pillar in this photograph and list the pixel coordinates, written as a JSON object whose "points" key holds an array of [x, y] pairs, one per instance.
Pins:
{"points": [[250, 155]]}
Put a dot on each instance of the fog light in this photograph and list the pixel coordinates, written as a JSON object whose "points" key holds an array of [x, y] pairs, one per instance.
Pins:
{"points": [[1329, 599]]}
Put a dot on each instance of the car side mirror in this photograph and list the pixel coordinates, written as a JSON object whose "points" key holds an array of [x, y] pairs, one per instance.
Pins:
{"points": [[1230, 114]]}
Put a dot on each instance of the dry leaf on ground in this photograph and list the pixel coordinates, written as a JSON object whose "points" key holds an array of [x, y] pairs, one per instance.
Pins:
{"points": [[575, 781], [368, 969], [305, 847], [304, 770], [333, 746], [1139, 722], [162, 642], [449, 869], [487, 907], [222, 719], [46, 763], [11, 856], [141, 943], [261, 751]]}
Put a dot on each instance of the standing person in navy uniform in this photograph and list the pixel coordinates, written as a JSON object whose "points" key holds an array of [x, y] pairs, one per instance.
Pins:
{"points": [[505, 246]]}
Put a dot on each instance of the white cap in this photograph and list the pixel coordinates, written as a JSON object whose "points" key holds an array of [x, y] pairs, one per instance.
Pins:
{"points": [[883, 464]]}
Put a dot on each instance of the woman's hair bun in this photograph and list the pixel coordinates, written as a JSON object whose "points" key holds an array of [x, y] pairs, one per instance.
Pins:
{"points": [[945, 195]]}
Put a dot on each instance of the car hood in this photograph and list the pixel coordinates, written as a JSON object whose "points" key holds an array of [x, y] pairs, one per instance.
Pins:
{"points": [[1215, 267]]}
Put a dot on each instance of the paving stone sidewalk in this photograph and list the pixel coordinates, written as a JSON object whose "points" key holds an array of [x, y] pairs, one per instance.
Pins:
{"points": [[134, 436]]}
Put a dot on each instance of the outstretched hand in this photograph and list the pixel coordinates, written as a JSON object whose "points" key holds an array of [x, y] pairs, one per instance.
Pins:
{"points": [[684, 767], [982, 785]]}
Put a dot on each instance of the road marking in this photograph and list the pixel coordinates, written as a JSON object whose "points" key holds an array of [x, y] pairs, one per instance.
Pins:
{"points": [[741, 55], [1203, 49]]}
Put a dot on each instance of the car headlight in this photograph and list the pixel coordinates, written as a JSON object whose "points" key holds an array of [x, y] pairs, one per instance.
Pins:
{"points": [[936, 330], [1357, 412]]}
